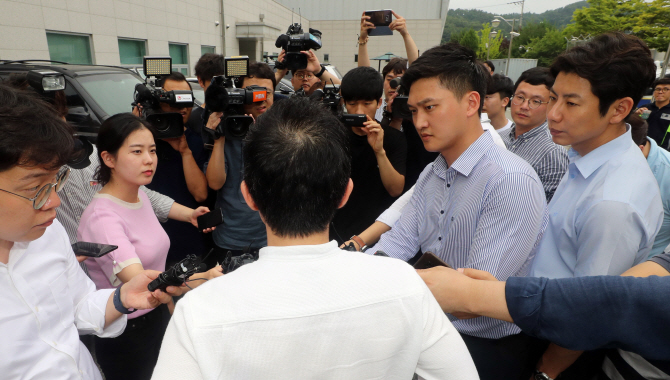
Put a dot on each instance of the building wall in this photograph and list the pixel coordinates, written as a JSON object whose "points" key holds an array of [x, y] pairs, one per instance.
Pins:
{"points": [[322, 10]]}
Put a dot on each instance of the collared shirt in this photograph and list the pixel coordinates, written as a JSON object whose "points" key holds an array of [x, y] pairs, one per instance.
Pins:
{"points": [[506, 128], [604, 215], [47, 301], [313, 312], [487, 211], [80, 189], [659, 163], [549, 160]]}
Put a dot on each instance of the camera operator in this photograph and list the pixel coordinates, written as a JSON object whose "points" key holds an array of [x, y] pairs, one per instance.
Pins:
{"points": [[311, 78], [47, 300], [207, 67], [242, 228], [181, 176], [378, 156]]}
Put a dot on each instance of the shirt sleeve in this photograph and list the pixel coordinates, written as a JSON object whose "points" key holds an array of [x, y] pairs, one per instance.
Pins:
{"points": [[609, 236], [510, 227], [89, 305], [662, 260], [177, 358], [443, 355], [114, 233], [586, 313], [402, 242], [160, 203], [391, 215], [395, 146]]}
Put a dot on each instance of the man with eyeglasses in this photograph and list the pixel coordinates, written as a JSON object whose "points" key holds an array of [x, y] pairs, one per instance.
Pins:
{"points": [[659, 118], [310, 78], [529, 136], [47, 300]]}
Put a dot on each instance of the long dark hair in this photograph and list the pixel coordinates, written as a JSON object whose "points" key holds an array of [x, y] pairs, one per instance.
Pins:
{"points": [[113, 133]]}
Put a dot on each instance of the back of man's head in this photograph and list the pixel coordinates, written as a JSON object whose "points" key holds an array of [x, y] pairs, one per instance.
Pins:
{"points": [[500, 84], [536, 76], [362, 83], [616, 65], [31, 133], [638, 129], [209, 66], [455, 66], [297, 166]]}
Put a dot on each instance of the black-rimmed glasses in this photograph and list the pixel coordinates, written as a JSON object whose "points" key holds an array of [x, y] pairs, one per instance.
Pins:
{"points": [[532, 103]]}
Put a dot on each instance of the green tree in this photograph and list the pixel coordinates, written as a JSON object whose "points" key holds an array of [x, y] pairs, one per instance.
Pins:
{"points": [[530, 31], [493, 42], [470, 40], [546, 48]]}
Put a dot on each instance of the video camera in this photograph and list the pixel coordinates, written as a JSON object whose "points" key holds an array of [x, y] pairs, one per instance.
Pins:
{"points": [[329, 96], [400, 108], [150, 95], [293, 42], [223, 96]]}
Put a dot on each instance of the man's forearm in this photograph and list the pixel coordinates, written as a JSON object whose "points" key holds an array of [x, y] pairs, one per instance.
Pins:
{"points": [[557, 359], [328, 78], [410, 48], [393, 181], [487, 298], [216, 169], [363, 57], [196, 181]]}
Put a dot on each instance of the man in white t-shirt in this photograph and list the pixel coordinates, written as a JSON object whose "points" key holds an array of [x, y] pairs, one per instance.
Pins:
{"points": [[306, 309], [47, 300], [498, 95]]}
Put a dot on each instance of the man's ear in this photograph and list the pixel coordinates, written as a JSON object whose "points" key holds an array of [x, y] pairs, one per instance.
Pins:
{"points": [[201, 83], [505, 102], [347, 193], [108, 159], [474, 101], [379, 103], [620, 109], [247, 196]]}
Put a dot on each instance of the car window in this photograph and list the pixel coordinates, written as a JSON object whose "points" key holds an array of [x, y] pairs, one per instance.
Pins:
{"points": [[112, 92]]}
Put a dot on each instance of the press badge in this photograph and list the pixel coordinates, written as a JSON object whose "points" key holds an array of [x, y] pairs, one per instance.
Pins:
{"points": [[665, 116]]}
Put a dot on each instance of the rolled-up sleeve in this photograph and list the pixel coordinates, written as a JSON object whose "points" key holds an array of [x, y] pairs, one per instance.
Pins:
{"points": [[586, 313]]}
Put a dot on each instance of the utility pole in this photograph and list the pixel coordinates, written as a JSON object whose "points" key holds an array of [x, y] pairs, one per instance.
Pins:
{"points": [[521, 16]]}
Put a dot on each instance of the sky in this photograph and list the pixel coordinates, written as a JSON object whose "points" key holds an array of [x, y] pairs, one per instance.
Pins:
{"points": [[502, 6]]}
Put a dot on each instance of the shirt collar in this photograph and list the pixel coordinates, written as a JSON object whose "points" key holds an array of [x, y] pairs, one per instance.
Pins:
{"points": [[653, 151], [298, 251], [598, 157], [530, 134], [468, 159]]}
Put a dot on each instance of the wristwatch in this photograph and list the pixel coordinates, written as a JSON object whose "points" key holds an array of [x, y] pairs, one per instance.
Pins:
{"points": [[539, 375], [323, 68], [118, 305], [360, 242]]}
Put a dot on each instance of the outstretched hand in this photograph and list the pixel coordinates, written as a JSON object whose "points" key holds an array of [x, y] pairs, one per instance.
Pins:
{"points": [[135, 293]]}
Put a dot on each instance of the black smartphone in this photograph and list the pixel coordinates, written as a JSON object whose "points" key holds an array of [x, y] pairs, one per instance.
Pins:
{"points": [[83, 248], [429, 260], [211, 219], [400, 108], [353, 120], [382, 19]]}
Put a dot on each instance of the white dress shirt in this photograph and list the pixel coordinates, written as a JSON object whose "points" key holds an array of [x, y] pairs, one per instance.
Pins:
{"points": [[313, 312], [47, 302]]}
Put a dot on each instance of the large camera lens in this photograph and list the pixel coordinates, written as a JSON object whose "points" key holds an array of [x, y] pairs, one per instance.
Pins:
{"points": [[238, 128]]}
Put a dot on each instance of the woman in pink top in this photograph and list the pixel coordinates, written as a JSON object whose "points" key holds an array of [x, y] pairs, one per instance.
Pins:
{"points": [[121, 215]]}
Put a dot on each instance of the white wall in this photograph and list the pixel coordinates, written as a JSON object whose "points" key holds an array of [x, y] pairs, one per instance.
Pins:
{"points": [[352, 9]]}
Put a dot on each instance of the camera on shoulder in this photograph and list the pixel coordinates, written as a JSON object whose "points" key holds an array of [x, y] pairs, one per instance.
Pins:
{"points": [[296, 40], [223, 96], [150, 94]]}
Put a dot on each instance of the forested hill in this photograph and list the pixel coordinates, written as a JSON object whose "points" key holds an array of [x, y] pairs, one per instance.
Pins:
{"points": [[462, 19]]}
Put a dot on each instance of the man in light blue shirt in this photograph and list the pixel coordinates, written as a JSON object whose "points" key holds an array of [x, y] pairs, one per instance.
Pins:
{"points": [[659, 162], [607, 209], [477, 206]]}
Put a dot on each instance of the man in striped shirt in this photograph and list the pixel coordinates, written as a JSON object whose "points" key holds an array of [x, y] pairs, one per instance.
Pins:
{"points": [[477, 206], [529, 137]]}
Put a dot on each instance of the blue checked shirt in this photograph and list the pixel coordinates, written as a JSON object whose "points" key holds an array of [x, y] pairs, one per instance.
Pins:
{"points": [[549, 160], [487, 211]]}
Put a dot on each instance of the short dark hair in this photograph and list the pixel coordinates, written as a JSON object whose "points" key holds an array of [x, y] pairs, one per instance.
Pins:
{"points": [[56, 99], [455, 66], [297, 166], [260, 70], [396, 65], [616, 65], [490, 65], [362, 83], [175, 76], [660, 81], [535, 77], [209, 66], [638, 128], [113, 133], [500, 84], [31, 133]]}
